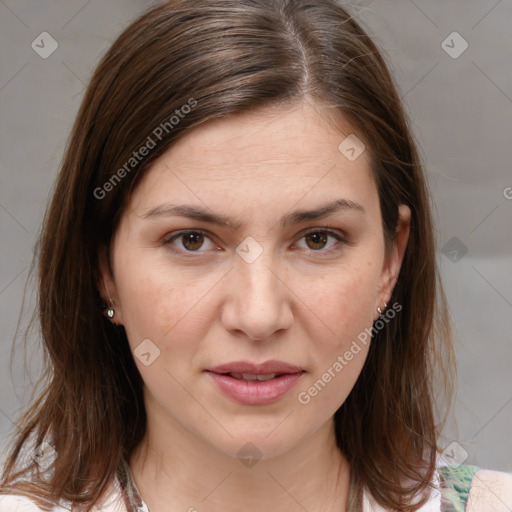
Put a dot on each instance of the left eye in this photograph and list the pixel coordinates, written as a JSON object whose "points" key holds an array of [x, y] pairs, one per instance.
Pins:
{"points": [[317, 240]]}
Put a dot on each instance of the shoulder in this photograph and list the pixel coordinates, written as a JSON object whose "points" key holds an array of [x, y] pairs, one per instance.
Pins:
{"points": [[14, 503], [462, 489], [490, 490]]}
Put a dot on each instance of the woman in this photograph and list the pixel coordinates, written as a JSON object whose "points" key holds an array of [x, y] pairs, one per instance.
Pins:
{"points": [[238, 289]]}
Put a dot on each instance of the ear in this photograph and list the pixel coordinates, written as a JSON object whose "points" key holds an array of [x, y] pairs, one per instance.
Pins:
{"points": [[394, 258], [106, 285]]}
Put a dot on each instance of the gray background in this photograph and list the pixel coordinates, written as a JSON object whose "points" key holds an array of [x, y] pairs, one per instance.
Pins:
{"points": [[461, 112]]}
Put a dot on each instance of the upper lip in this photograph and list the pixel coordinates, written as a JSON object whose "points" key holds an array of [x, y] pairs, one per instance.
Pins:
{"points": [[256, 369]]}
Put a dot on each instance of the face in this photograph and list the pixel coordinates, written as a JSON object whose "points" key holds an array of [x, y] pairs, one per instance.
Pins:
{"points": [[254, 239]]}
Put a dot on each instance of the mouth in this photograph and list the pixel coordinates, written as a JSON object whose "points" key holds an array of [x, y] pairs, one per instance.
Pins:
{"points": [[239, 369], [251, 376], [255, 384]]}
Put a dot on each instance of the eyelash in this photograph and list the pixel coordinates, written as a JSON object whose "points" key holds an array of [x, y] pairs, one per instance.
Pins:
{"points": [[191, 254]]}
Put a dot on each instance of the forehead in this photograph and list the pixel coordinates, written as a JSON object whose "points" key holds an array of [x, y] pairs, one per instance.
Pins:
{"points": [[301, 134], [259, 157]]}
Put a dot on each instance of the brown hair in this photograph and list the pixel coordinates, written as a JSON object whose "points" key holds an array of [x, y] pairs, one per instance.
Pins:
{"points": [[222, 58]]}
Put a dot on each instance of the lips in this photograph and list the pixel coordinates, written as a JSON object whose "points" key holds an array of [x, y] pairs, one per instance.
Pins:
{"points": [[246, 367], [254, 376], [255, 384]]}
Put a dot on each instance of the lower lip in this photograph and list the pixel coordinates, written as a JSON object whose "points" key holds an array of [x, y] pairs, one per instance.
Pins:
{"points": [[255, 392]]}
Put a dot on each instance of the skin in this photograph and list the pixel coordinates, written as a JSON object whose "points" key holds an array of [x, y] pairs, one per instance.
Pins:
{"points": [[303, 301]]}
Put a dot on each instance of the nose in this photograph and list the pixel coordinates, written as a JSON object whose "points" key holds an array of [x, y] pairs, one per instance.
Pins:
{"points": [[257, 299]]}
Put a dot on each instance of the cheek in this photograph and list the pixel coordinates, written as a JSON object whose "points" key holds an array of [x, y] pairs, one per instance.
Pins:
{"points": [[345, 305], [157, 303], [345, 300]]}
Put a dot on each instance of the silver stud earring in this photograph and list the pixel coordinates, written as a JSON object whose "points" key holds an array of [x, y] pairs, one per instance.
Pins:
{"points": [[110, 311], [380, 310]]}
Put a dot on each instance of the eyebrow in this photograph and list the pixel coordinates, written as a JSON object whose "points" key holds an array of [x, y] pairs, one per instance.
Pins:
{"points": [[295, 217]]}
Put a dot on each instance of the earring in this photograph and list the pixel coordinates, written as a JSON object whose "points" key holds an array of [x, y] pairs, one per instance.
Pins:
{"points": [[110, 312], [380, 310]]}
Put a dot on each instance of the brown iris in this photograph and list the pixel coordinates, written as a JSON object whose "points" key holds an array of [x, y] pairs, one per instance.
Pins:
{"points": [[192, 241], [317, 238]]}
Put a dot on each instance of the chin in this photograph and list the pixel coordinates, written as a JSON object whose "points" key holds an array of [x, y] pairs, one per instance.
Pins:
{"points": [[255, 443]]}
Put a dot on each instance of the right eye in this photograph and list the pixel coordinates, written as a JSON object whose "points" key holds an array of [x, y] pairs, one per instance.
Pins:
{"points": [[188, 241]]}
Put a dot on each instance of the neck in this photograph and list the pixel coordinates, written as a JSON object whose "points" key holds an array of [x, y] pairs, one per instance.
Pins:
{"points": [[177, 471]]}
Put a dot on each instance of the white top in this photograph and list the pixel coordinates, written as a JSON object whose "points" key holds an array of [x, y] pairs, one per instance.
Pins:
{"points": [[491, 491]]}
